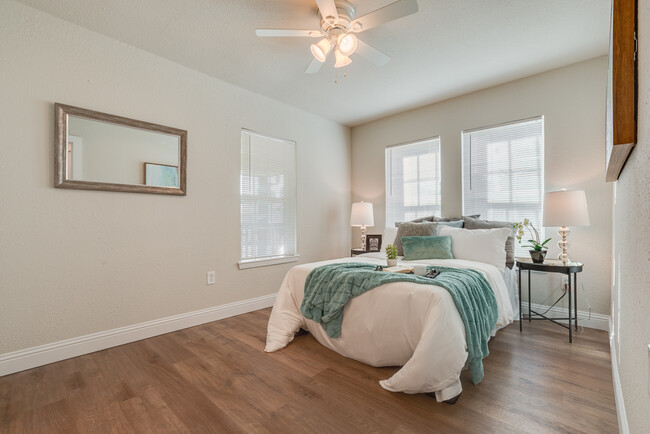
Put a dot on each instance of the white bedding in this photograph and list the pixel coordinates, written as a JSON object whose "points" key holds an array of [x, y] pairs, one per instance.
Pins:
{"points": [[397, 324]]}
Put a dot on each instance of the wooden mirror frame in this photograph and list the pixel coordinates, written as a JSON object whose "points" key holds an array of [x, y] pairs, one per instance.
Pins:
{"points": [[621, 87], [62, 112]]}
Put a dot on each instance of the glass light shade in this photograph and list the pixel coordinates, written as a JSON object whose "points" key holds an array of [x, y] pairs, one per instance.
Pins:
{"points": [[347, 43], [341, 60], [565, 208], [321, 50], [361, 214]]}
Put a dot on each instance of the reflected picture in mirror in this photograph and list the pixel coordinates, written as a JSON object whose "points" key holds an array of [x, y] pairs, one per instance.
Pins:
{"points": [[160, 175], [105, 152]]}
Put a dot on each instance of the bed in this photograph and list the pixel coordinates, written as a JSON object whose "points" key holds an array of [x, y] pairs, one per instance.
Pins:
{"points": [[397, 324]]}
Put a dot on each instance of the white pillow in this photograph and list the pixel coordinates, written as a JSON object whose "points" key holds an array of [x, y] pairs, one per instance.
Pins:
{"points": [[388, 238], [481, 245]]}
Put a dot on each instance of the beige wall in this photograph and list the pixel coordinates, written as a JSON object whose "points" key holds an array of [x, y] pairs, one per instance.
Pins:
{"points": [[572, 100], [631, 283], [76, 262]]}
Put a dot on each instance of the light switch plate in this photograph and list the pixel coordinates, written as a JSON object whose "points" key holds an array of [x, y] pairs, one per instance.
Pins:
{"points": [[211, 278]]}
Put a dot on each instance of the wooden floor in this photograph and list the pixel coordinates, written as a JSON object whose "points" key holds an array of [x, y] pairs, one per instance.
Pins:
{"points": [[216, 378]]}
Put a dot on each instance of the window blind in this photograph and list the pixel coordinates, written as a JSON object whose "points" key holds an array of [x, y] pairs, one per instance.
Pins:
{"points": [[503, 173], [268, 197], [412, 181]]}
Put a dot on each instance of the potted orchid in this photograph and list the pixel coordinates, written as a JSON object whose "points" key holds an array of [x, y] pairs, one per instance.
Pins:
{"points": [[391, 255], [538, 248]]}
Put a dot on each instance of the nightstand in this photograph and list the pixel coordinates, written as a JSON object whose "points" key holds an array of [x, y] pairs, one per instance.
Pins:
{"points": [[355, 252], [552, 266]]}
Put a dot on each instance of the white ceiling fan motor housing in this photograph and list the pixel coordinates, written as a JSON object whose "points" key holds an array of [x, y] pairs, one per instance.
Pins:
{"points": [[347, 14]]}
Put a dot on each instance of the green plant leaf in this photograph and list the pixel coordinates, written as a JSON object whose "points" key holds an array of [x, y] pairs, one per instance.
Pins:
{"points": [[547, 240], [391, 251]]}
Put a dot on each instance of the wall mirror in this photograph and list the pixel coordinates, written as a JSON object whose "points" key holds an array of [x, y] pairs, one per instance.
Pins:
{"points": [[98, 151]]}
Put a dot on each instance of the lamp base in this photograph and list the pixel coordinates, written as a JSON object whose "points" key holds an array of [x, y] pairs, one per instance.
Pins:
{"points": [[363, 238], [563, 244]]}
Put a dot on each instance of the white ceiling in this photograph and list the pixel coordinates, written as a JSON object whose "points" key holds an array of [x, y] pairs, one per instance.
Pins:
{"points": [[449, 48]]}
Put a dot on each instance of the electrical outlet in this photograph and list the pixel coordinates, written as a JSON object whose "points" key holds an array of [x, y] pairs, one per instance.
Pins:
{"points": [[211, 278]]}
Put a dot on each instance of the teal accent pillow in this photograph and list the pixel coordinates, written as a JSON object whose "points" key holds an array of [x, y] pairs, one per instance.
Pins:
{"points": [[454, 224], [427, 248]]}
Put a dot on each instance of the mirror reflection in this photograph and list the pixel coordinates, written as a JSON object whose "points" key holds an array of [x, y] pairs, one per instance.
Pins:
{"points": [[102, 152]]}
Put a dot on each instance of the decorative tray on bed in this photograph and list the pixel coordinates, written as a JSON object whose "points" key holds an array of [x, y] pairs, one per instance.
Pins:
{"points": [[399, 269]]}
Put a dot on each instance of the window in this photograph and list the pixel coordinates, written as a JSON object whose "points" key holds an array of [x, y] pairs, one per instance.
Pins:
{"points": [[268, 200], [503, 172], [412, 181]]}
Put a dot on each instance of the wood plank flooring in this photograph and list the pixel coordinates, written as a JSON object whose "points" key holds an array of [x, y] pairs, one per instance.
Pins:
{"points": [[215, 378]]}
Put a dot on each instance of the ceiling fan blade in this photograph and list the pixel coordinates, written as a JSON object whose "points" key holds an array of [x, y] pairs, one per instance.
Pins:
{"points": [[327, 8], [371, 53], [393, 11], [313, 67], [288, 32]]}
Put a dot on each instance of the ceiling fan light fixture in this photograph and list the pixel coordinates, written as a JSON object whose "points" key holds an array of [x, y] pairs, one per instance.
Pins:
{"points": [[341, 59], [321, 50], [347, 43]]}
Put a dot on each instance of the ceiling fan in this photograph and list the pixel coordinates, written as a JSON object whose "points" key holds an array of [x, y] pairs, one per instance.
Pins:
{"points": [[338, 26]]}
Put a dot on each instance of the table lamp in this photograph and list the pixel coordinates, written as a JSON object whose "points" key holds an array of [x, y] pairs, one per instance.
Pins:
{"points": [[565, 208], [362, 216]]}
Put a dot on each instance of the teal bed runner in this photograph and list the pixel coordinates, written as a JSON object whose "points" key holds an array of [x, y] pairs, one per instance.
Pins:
{"points": [[328, 288]]}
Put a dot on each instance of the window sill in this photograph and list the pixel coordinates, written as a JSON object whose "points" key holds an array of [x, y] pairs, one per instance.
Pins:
{"points": [[254, 263]]}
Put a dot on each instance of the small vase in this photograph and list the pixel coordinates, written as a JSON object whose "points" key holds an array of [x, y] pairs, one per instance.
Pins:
{"points": [[538, 256], [391, 262]]}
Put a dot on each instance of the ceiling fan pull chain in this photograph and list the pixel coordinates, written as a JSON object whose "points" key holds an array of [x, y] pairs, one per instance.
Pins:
{"points": [[336, 79]]}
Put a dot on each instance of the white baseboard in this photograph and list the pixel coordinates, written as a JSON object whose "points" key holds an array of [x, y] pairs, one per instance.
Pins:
{"points": [[618, 391], [597, 321], [43, 354]]}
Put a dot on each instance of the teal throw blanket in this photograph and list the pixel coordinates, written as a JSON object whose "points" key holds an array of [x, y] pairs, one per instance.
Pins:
{"points": [[328, 288]]}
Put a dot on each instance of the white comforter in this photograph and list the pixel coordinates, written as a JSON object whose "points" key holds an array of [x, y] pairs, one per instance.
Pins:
{"points": [[397, 324]]}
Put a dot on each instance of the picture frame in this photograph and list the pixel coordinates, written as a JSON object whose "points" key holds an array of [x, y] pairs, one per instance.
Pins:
{"points": [[373, 243], [161, 175]]}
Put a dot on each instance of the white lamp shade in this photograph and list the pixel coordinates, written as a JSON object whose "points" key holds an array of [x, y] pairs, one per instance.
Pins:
{"points": [[362, 214], [347, 43], [321, 50], [341, 60], [565, 208]]}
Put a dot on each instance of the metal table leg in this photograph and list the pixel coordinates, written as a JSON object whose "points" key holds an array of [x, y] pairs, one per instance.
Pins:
{"points": [[570, 312], [529, 302], [520, 299], [575, 298]]}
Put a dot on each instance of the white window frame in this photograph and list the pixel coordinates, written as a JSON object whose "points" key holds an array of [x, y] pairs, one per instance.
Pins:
{"points": [[247, 261], [523, 209], [393, 190]]}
